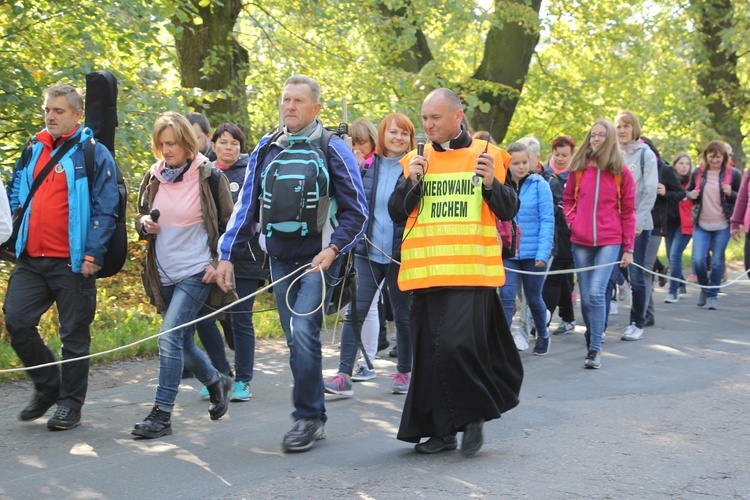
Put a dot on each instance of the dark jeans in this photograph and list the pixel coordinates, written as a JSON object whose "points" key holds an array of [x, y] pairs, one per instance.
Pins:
{"points": [[243, 333], [244, 330], [370, 275], [34, 285], [637, 281], [558, 290]]}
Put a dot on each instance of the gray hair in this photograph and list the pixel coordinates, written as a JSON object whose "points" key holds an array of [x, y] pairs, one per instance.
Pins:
{"points": [[313, 85], [70, 93], [532, 144]]}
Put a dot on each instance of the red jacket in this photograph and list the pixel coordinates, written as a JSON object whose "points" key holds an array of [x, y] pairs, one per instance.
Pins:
{"points": [[599, 216]]}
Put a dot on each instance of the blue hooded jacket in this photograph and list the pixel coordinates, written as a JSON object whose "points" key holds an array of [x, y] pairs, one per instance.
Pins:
{"points": [[536, 218]]}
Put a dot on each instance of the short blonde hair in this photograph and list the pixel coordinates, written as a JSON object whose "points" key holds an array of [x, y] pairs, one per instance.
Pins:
{"points": [[362, 130], [630, 118], [184, 134]]}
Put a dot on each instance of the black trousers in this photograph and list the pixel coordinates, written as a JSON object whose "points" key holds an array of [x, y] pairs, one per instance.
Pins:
{"points": [[34, 285]]}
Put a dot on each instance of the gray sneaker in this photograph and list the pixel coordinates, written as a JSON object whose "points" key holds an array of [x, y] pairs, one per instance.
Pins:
{"points": [[671, 298], [593, 360], [303, 435], [711, 301], [363, 374], [702, 299]]}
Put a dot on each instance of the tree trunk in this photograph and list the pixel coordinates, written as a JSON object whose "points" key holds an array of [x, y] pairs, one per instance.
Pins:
{"points": [[211, 59], [411, 59], [501, 75], [717, 72]]}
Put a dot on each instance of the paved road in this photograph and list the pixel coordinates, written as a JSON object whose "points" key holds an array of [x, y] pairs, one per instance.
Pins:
{"points": [[665, 417]]}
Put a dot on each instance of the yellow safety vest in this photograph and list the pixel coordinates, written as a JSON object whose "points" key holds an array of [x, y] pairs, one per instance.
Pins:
{"points": [[451, 238]]}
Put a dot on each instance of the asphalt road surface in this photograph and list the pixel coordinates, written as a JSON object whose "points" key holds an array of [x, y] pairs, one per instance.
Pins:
{"points": [[665, 417]]}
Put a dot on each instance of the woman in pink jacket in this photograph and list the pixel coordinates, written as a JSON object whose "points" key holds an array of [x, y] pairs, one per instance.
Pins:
{"points": [[599, 205]]}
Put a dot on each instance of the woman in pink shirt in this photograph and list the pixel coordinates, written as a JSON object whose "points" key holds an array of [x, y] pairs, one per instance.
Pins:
{"points": [[713, 188]]}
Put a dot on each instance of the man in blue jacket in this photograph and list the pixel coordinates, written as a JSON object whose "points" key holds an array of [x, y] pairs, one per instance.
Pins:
{"points": [[299, 297], [60, 247]]}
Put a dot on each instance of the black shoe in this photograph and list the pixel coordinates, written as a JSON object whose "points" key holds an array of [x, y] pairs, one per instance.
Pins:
{"points": [[682, 290], [64, 418], [437, 444], [473, 438], [383, 344], [156, 424], [663, 279], [218, 396], [541, 348], [650, 321], [303, 435], [702, 298], [40, 403], [393, 353]]}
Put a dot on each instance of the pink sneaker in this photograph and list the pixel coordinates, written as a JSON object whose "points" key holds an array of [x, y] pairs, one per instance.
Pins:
{"points": [[400, 383], [339, 384]]}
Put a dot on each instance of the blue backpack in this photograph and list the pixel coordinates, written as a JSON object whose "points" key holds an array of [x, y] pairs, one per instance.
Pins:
{"points": [[296, 195]]}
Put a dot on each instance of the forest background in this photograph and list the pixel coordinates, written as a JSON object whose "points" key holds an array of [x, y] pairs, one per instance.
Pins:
{"points": [[537, 67]]}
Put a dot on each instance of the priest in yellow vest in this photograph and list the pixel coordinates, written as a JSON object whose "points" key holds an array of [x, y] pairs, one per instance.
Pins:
{"points": [[466, 366]]}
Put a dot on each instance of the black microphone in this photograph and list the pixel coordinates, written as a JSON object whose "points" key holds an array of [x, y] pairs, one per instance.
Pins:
{"points": [[421, 141], [155, 214]]}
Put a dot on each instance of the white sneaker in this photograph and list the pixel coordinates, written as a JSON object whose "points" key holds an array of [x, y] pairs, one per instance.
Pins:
{"points": [[522, 343], [671, 298], [632, 332], [613, 308]]}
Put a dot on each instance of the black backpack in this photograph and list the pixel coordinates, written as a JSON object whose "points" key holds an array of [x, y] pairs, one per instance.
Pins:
{"points": [[101, 118]]}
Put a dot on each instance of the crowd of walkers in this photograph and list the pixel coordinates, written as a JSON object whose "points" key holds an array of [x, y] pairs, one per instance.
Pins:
{"points": [[425, 220]]}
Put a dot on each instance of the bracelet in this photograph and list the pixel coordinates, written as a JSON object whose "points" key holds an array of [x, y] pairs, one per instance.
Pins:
{"points": [[334, 248]]}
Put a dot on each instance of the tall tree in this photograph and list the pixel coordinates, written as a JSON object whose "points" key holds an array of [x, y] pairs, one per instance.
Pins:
{"points": [[500, 77], [717, 71], [211, 59]]}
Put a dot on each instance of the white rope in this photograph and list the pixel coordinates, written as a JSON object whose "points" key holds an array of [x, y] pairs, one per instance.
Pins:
{"points": [[649, 271], [140, 341], [590, 268]]}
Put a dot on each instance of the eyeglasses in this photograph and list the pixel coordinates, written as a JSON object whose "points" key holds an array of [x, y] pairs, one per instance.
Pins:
{"points": [[602, 135]]}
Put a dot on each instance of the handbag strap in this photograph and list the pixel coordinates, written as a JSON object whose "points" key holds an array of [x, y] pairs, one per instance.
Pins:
{"points": [[44, 172]]}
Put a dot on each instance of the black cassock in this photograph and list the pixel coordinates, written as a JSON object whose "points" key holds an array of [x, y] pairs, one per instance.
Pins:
{"points": [[466, 365]]}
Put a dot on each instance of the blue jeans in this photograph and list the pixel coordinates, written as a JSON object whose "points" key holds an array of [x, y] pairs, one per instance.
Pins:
{"points": [[593, 287], [637, 277], [716, 242], [676, 244], [303, 332], [532, 289], [183, 300], [369, 277]]}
